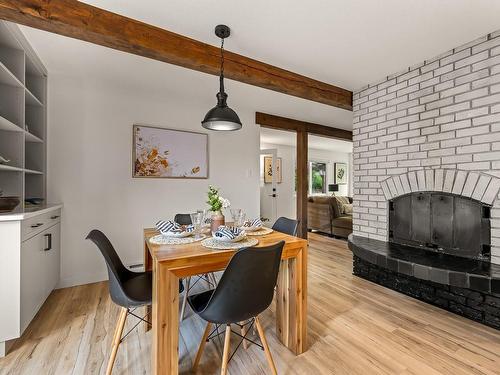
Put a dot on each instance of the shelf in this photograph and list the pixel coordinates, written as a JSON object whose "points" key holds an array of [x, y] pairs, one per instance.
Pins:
{"points": [[9, 168], [31, 171], [32, 138], [7, 78], [9, 126], [32, 99]]}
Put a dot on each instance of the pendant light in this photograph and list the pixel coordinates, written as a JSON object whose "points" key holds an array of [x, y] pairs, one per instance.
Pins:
{"points": [[221, 117]]}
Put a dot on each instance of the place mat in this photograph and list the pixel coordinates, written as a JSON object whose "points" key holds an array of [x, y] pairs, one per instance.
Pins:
{"points": [[163, 240], [261, 232], [214, 244]]}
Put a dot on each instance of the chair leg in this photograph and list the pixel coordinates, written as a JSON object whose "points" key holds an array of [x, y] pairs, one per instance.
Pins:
{"points": [[269, 357], [202, 346], [225, 356], [186, 292], [117, 339]]}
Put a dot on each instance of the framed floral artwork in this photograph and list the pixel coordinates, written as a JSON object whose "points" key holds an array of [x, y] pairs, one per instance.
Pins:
{"points": [[268, 170], [169, 153], [340, 173]]}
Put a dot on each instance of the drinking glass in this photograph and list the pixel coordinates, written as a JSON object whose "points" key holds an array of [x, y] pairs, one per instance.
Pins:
{"points": [[197, 220], [235, 214], [241, 219]]}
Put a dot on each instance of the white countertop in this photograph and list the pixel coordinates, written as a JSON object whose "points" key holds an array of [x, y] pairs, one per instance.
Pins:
{"points": [[21, 214]]}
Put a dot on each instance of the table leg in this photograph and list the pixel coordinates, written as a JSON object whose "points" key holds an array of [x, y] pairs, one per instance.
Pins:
{"points": [[291, 302], [165, 346], [148, 266]]}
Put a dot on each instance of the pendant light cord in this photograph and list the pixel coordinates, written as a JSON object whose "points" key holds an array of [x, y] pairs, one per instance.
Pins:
{"points": [[222, 66]]}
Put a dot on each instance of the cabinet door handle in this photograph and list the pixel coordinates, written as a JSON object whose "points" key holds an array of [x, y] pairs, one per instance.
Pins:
{"points": [[49, 241], [36, 225], [54, 217]]}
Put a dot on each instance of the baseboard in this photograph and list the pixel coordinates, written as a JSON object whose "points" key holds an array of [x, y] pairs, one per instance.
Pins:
{"points": [[89, 278], [81, 279]]}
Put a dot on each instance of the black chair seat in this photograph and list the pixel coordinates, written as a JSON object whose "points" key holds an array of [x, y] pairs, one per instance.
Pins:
{"points": [[127, 289], [199, 301], [138, 289], [245, 289]]}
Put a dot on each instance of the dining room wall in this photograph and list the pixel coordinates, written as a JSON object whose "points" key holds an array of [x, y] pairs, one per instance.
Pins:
{"points": [[90, 168]]}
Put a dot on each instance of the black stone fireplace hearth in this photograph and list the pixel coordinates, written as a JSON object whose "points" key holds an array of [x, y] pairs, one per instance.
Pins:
{"points": [[438, 251], [465, 286]]}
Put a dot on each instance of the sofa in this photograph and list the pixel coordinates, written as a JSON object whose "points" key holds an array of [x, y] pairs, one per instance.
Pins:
{"points": [[330, 214]]}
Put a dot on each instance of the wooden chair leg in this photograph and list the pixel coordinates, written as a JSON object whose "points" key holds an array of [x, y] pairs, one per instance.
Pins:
{"points": [[225, 356], [184, 301], [269, 357], [116, 339], [202, 346]]}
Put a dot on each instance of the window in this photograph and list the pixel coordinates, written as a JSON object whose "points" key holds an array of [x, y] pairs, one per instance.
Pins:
{"points": [[317, 177]]}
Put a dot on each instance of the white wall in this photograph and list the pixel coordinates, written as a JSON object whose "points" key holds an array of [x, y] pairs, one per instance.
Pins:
{"points": [[286, 200], [89, 168], [286, 190]]}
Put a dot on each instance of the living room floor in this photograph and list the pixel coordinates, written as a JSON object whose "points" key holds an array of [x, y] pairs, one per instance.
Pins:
{"points": [[354, 326]]}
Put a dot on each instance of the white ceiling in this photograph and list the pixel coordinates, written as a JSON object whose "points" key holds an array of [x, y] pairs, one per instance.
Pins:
{"points": [[346, 43], [279, 137]]}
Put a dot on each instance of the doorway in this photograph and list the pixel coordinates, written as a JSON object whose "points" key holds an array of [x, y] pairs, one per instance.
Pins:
{"points": [[277, 175]]}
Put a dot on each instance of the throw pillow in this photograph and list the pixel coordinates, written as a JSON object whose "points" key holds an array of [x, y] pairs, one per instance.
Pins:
{"points": [[347, 208]]}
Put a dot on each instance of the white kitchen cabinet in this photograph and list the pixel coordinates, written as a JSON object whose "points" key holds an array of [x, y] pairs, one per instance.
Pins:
{"points": [[29, 267]]}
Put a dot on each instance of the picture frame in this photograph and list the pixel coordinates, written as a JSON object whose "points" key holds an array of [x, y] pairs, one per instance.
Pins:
{"points": [[268, 170], [169, 153], [340, 173]]}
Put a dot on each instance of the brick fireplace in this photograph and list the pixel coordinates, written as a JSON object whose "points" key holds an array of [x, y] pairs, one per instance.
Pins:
{"points": [[434, 128]]}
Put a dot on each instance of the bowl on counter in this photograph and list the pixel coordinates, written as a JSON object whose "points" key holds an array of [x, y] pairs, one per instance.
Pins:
{"points": [[7, 204]]}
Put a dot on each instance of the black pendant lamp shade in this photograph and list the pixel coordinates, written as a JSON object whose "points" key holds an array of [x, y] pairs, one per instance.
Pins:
{"points": [[221, 117]]}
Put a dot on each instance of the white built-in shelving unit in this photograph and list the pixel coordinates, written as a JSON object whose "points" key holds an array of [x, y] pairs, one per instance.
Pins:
{"points": [[23, 116]]}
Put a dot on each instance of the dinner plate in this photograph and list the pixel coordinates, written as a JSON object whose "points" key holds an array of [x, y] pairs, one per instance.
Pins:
{"points": [[177, 234], [251, 229]]}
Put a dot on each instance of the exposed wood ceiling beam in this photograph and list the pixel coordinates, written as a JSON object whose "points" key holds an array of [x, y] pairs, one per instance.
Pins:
{"points": [[85, 22], [283, 123]]}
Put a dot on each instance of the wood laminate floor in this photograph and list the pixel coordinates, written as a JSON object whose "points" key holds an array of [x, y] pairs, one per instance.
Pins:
{"points": [[355, 327]]}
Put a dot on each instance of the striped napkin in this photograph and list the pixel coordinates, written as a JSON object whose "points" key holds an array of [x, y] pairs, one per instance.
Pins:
{"points": [[170, 226], [225, 232], [255, 223]]}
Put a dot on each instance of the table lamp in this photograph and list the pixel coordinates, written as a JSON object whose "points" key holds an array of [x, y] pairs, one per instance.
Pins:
{"points": [[333, 188]]}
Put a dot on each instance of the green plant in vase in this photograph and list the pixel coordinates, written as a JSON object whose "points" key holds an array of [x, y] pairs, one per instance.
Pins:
{"points": [[216, 203]]}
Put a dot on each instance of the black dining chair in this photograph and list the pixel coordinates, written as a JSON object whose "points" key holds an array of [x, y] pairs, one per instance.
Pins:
{"points": [[245, 290], [128, 289], [185, 219], [286, 225]]}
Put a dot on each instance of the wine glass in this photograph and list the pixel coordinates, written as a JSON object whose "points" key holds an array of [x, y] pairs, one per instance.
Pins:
{"points": [[196, 220], [235, 214], [240, 220]]}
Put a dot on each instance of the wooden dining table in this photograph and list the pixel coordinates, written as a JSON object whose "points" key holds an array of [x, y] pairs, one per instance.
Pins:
{"points": [[169, 263]]}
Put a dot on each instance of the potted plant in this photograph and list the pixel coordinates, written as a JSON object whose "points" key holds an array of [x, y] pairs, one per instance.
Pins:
{"points": [[216, 203]]}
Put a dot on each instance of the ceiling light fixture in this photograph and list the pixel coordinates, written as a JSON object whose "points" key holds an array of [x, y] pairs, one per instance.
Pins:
{"points": [[221, 117]]}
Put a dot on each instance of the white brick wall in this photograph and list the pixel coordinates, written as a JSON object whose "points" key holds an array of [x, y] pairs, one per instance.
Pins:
{"points": [[434, 126]]}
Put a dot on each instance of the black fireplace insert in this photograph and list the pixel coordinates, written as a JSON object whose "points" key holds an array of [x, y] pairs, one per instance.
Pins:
{"points": [[441, 222]]}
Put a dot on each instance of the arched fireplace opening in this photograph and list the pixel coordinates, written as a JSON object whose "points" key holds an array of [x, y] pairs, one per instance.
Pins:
{"points": [[441, 222]]}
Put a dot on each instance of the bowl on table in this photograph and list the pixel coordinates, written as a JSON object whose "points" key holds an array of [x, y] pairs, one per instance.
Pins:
{"points": [[229, 234], [252, 225], [172, 229], [7, 204]]}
